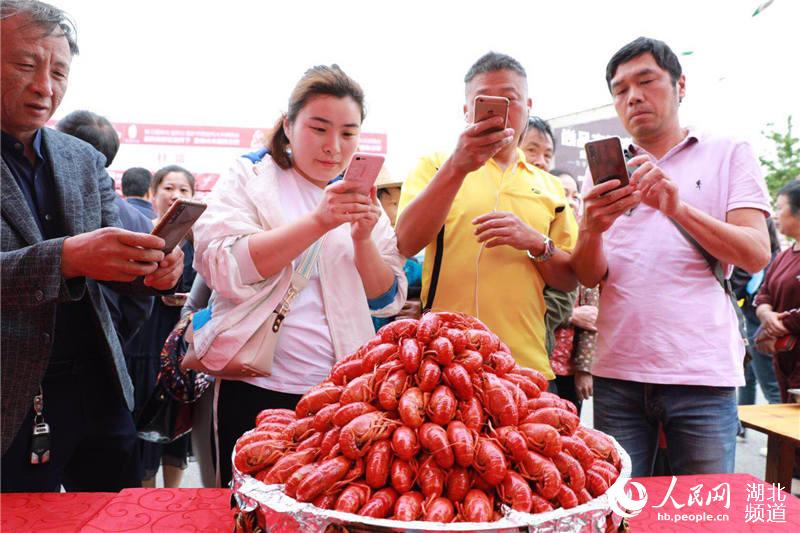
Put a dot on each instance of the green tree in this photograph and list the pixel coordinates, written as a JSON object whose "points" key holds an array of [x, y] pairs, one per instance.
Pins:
{"points": [[785, 165]]}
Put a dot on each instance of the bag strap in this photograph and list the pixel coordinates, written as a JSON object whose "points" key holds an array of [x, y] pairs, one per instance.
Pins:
{"points": [[300, 277], [713, 263], [719, 275], [437, 267], [309, 259]]}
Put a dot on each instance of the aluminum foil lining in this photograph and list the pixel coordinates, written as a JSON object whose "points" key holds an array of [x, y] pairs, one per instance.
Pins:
{"points": [[282, 513]]}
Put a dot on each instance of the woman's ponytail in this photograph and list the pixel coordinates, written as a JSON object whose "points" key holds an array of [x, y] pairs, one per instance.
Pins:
{"points": [[279, 145]]}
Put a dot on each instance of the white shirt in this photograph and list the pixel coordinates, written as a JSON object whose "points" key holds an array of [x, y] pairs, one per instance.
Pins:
{"points": [[304, 354]]}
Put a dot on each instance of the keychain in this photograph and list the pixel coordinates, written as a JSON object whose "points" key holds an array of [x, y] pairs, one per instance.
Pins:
{"points": [[40, 441]]}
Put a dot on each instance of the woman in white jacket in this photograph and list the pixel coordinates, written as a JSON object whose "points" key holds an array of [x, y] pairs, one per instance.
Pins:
{"points": [[263, 216]]}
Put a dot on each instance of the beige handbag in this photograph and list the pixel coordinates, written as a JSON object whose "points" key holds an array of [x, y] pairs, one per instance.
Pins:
{"points": [[254, 358]]}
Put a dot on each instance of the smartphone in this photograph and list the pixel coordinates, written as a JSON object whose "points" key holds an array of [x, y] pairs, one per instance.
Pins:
{"points": [[177, 222], [606, 161], [175, 300], [363, 170], [485, 107]]}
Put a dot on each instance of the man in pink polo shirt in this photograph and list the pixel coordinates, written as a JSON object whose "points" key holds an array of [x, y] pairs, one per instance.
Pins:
{"points": [[669, 350]]}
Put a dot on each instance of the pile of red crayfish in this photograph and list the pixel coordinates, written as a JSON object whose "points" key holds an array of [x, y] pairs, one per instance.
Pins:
{"points": [[432, 419]]}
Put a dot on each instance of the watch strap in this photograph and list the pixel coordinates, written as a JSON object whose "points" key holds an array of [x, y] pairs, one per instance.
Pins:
{"points": [[549, 250]]}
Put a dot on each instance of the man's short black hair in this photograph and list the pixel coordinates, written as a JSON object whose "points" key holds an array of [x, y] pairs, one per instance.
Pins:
{"points": [[540, 124], [94, 129], [136, 182], [663, 54], [492, 61]]}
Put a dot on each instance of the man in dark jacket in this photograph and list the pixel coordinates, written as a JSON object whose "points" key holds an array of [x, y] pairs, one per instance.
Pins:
{"points": [[66, 394]]}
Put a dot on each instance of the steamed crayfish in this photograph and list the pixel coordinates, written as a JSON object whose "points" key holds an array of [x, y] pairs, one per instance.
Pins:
{"points": [[431, 420]]}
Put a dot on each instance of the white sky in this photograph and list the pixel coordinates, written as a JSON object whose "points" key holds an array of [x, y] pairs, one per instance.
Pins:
{"points": [[234, 62]]}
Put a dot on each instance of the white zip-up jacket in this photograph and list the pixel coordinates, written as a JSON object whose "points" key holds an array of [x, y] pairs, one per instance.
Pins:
{"points": [[245, 202]]}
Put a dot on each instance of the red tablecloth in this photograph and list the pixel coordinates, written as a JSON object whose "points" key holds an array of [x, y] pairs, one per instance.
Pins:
{"points": [[168, 510], [132, 510], [50, 511], [165, 510]]}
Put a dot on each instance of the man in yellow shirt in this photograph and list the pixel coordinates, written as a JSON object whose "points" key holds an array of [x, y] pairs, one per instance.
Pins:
{"points": [[496, 229]]}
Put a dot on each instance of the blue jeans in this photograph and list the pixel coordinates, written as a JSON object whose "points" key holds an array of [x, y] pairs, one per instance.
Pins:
{"points": [[700, 424]]}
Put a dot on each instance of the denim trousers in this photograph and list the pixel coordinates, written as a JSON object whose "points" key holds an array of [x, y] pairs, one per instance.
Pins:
{"points": [[700, 424]]}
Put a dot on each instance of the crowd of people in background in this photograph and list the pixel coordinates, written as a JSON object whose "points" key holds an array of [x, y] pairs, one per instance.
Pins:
{"points": [[612, 291]]}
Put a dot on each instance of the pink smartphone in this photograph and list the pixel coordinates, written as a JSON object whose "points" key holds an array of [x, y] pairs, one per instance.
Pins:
{"points": [[485, 107], [364, 169]]}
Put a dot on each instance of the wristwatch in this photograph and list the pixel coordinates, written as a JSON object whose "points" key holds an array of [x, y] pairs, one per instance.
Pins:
{"points": [[549, 250]]}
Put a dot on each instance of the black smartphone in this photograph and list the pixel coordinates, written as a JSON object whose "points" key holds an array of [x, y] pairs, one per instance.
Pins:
{"points": [[177, 222], [607, 161], [175, 300]]}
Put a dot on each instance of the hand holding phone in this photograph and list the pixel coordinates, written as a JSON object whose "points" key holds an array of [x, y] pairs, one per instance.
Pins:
{"points": [[607, 161], [606, 202], [486, 107], [169, 271], [177, 221], [363, 170], [480, 141]]}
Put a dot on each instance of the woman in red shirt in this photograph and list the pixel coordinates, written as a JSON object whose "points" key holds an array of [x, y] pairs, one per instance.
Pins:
{"points": [[778, 302]]}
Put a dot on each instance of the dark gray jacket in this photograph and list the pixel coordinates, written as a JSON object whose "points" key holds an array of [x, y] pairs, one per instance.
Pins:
{"points": [[31, 284]]}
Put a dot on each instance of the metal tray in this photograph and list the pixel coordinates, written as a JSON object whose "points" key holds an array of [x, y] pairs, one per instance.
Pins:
{"points": [[282, 513]]}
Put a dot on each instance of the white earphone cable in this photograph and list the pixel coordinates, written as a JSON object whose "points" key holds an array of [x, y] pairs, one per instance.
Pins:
{"points": [[483, 245]]}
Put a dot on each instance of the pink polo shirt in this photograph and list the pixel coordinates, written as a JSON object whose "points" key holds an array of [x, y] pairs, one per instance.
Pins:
{"points": [[663, 316]]}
